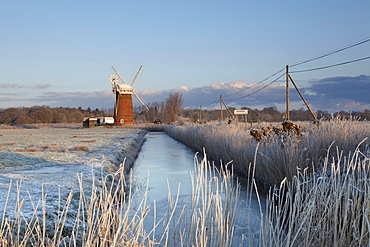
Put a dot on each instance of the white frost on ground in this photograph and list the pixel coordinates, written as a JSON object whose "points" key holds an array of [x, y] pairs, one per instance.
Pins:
{"points": [[46, 158]]}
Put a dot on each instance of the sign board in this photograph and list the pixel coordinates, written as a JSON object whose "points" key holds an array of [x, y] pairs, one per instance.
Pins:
{"points": [[240, 112]]}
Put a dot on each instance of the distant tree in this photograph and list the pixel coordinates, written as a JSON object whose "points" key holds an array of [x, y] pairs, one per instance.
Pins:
{"points": [[173, 106], [253, 115], [9, 115], [41, 114], [363, 115], [76, 117], [300, 115], [270, 114], [24, 119]]}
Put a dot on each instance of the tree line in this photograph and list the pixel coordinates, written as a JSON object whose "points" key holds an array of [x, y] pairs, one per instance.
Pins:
{"points": [[168, 111], [172, 110], [46, 114], [268, 114]]}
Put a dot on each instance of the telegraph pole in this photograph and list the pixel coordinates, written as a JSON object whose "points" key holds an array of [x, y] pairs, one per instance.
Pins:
{"points": [[200, 114], [221, 117], [287, 117], [303, 99]]}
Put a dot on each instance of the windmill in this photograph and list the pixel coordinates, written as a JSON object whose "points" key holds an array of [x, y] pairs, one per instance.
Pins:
{"points": [[123, 112]]}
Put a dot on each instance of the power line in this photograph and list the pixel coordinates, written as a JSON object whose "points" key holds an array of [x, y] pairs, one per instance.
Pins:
{"points": [[213, 103], [260, 88], [330, 66], [255, 83], [333, 52], [299, 71], [309, 60]]}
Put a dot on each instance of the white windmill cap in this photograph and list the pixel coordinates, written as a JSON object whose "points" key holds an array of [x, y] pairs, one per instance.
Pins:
{"points": [[124, 88]]}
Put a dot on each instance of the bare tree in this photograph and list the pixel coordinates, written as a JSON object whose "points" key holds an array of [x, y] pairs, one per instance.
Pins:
{"points": [[173, 106]]}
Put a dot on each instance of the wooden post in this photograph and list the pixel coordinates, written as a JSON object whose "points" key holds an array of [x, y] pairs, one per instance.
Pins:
{"points": [[221, 117], [287, 92], [200, 114], [299, 92]]}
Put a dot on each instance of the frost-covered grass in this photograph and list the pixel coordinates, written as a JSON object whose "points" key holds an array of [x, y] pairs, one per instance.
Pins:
{"points": [[60, 146], [104, 215], [325, 203], [51, 158], [330, 207], [316, 185], [276, 157], [326, 208]]}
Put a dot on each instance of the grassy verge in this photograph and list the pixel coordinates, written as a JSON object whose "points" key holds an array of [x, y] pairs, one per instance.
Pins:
{"points": [[317, 184], [324, 201], [277, 156], [330, 207], [105, 215]]}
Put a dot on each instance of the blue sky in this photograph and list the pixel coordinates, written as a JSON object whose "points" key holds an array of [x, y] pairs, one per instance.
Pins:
{"points": [[60, 53]]}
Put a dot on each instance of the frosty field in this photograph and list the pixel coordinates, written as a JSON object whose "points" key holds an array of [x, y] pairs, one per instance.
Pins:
{"points": [[317, 188], [53, 157], [45, 202]]}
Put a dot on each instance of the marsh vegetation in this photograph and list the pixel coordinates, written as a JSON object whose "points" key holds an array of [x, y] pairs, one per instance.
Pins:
{"points": [[316, 184], [313, 189]]}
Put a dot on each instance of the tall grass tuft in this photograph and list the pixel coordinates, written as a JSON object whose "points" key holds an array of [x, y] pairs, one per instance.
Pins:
{"points": [[105, 215], [278, 157], [210, 216], [329, 207], [322, 201]]}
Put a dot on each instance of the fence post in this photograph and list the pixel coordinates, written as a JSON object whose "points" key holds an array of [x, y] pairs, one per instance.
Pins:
{"points": [[287, 92], [221, 117]]}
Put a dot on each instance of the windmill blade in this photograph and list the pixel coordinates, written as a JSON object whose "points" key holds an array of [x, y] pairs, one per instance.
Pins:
{"points": [[119, 75], [141, 100], [137, 74], [116, 104]]}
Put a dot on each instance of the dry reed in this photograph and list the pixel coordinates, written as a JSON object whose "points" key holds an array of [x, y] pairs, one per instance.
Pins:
{"points": [[278, 157], [324, 201], [329, 207], [80, 148], [104, 215]]}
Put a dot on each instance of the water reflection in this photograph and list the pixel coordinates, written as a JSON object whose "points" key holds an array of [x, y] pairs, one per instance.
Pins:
{"points": [[163, 162]]}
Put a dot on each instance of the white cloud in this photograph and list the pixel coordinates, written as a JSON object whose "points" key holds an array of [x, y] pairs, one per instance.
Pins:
{"points": [[42, 86], [10, 85], [330, 94]]}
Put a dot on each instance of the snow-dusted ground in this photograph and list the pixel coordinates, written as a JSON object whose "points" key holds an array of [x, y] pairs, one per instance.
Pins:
{"points": [[49, 160], [52, 158]]}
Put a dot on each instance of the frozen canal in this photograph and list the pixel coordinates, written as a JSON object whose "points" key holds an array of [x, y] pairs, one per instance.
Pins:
{"points": [[165, 163]]}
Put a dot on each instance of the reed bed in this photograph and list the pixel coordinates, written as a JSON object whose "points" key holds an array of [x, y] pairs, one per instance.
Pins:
{"points": [[330, 207], [318, 196], [278, 156], [104, 215], [316, 185]]}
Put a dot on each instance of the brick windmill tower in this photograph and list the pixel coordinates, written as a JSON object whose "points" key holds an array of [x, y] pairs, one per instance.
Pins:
{"points": [[123, 112]]}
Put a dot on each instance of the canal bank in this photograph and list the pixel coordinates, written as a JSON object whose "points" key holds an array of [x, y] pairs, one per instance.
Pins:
{"points": [[166, 183]]}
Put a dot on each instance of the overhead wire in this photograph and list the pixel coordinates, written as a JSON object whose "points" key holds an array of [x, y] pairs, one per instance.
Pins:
{"points": [[257, 83], [310, 60], [300, 71], [330, 66], [260, 88], [332, 52]]}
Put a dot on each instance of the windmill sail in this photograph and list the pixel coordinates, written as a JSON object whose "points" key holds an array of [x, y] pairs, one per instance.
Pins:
{"points": [[123, 110], [141, 100], [137, 74]]}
